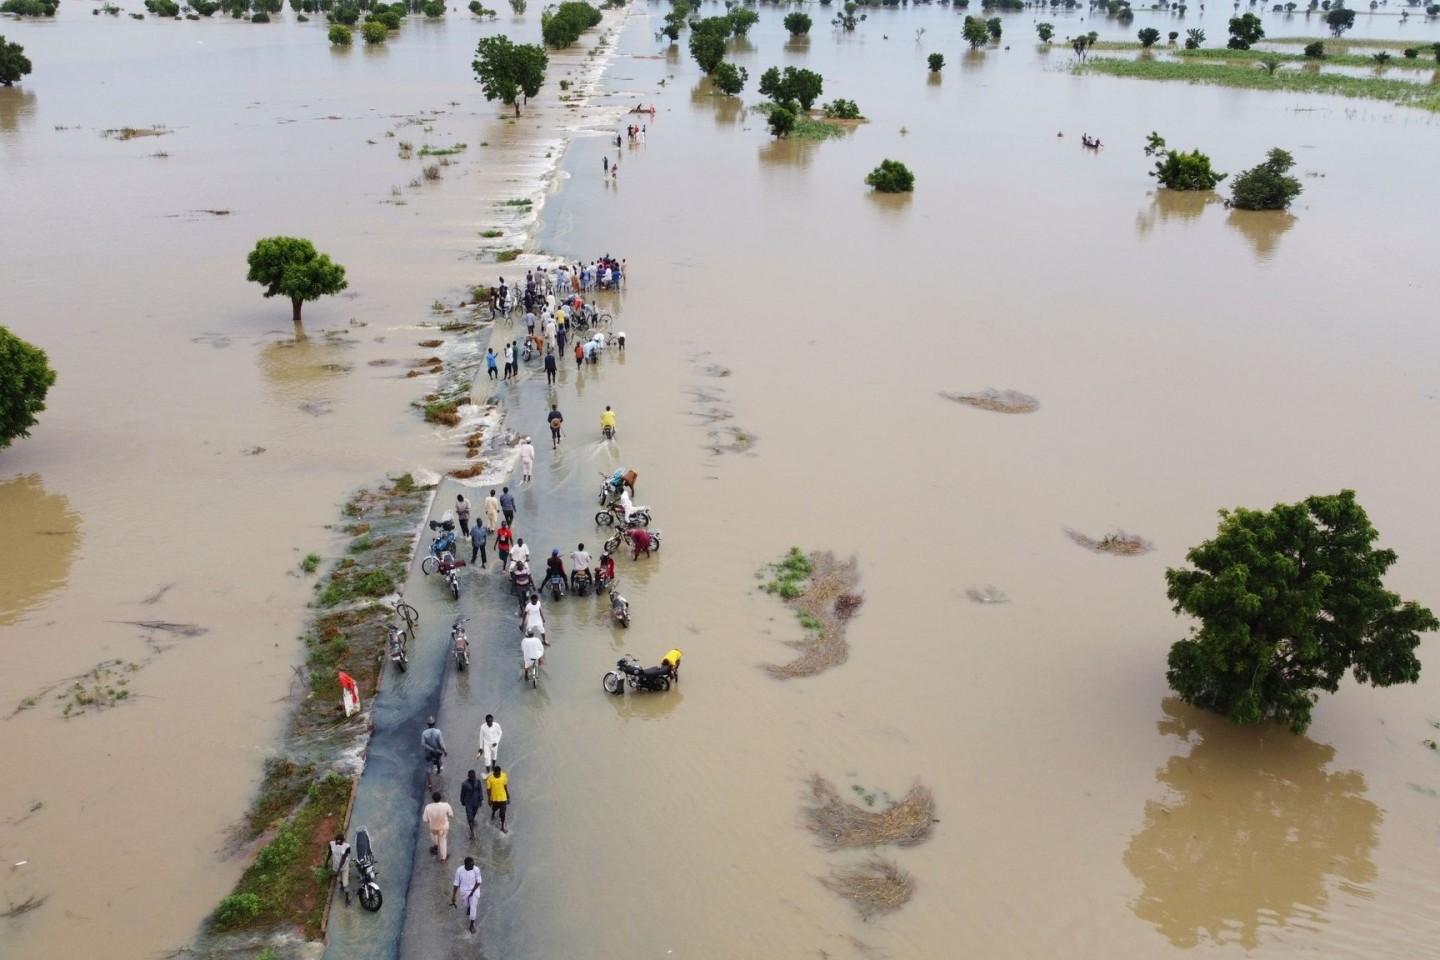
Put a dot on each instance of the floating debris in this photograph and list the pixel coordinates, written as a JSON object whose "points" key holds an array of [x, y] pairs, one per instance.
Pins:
{"points": [[988, 595], [829, 588], [876, 886], [1000, 401], [1119, 543], [179, 629], [24, 907], [839, 824]]}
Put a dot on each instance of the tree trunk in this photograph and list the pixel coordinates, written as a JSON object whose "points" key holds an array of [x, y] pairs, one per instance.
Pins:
{"points": [[517, 108], [295, 303]]}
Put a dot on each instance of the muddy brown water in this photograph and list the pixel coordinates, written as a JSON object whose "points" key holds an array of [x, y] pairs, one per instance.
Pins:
{"points": [[1185, 357]]}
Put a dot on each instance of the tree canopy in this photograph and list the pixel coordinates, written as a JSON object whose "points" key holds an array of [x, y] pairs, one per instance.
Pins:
{"points": [[798, 24], [976, 33], [730, 79], [25, 378], [507, 70], [1267, 186], [1339, 19], [708, 48], [1288, 600], [290, 267], [792, 86], [1244, 31], [13, 62], [741, 20], [563, 25], [891, 176]]}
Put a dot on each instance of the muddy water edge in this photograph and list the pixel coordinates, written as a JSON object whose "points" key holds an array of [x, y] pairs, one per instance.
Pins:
{"points": [[1185, 357]]}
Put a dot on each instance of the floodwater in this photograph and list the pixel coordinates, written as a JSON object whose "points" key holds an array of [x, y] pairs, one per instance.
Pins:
{"points": [[1186, 358]]}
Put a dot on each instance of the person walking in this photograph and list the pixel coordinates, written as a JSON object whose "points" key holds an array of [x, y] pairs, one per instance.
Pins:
{"points": [[478, 535], [532, 618], [507, 505], [433, 742], [579, 356], [605, 163], [437, 816], [527, 457], [550, 366], [472, 798], [492, 511], [509, 361], [467, 887], [556, 420], [490, 734], [491, 366], [560, 339], [497, 785], [340, 864], [462, 514], [502, 546]]}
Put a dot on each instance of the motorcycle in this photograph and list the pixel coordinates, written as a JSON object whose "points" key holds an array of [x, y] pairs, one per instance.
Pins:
{"points": [[608, 432], [556, 585], [369, 869], [460, 644], [604, 575], [619, 607], [613, 483], [581, 582], [628, 671], [639, 516], [613, 543], [398, 655]]}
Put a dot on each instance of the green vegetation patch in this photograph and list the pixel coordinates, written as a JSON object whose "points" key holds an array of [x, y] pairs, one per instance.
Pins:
{"points": [[286, 783], [428, 151], [1399, 92], [1330, 60], [821, 592], [288, 881]]}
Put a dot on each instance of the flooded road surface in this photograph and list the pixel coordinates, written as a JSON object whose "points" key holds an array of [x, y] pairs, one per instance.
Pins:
{"points": [[1185, 358]]}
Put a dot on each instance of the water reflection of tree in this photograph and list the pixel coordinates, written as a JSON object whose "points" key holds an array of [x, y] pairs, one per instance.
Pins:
{"points": [[1263, 228], [16, 104], [787, 152], [972, 59], [728, 110], [37, 544], [797, 43], [295, 367], [1253, 828], [1180, 205]]}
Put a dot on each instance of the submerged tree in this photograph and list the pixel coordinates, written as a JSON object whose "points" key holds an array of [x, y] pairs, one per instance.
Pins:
{"points": [[1148, 36], [290, 267], [13, 63], [506, 71], [936, 62], [792, 86], [730, 79], [1267, 186], [708, 49], [741, 20], [1194, 39], [1289, 600], [25, 379], [798, 24], [782, 119], [1339, 19], [1180, 171], [1244, 31], [1045, 31], [976, 33], [891, 176], [846, 19]]}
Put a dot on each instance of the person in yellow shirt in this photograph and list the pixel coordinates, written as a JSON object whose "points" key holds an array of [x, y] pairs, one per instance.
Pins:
{"points": [[497, 785], [672, 660], [607, 422]]}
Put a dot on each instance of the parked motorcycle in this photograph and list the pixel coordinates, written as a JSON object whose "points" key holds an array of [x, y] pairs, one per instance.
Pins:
{"points": [[628, 671], [460, 644], [369, 869], [615, 515], [398, 655], [443, 543], [604, 573], [619, 607], [581, 581]]}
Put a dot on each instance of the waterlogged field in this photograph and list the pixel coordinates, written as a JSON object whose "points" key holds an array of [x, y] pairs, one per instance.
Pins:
{"points": [[791, 337]]}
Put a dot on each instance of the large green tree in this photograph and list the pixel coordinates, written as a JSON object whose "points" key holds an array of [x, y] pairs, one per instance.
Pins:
{"points": [[290, 267], [25, 378], [13, 62], [1176, 170], [976, 33], [792, 86], [1244, 31], [1288, 600], [708, 49], [507, 70], [797, 23], [1339, 19]]}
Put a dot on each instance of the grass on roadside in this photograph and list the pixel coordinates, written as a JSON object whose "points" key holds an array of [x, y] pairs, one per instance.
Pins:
{"points": [[1329, 60]]}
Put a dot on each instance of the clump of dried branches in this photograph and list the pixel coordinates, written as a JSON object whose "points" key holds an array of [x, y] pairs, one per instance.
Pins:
{"points": [[1000, 401], [1119, 543], [875, 886], [824, 601], [839, 824]]}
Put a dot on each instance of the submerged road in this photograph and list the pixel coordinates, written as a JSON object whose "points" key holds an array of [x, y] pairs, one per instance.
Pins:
{"points": [[555, 511]]}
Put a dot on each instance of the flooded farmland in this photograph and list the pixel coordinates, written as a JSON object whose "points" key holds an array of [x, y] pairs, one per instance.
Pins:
{"points": [[1183, 358]]}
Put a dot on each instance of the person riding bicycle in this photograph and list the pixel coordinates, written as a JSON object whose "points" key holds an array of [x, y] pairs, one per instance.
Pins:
{"points": [[433, 742], [532, 649], [554, 567], [607, 420], [579, 566]]}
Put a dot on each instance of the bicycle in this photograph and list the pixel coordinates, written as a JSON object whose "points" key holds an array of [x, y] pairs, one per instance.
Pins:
{"points": [[605, 319], [409, 614]]}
